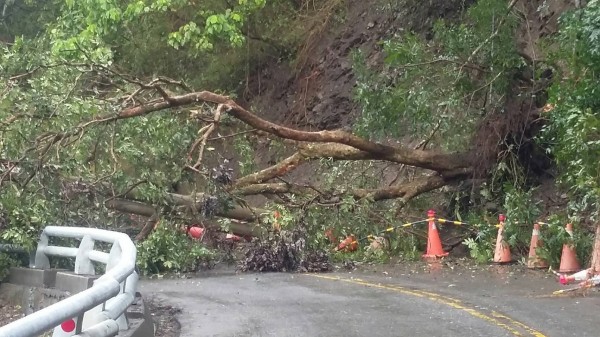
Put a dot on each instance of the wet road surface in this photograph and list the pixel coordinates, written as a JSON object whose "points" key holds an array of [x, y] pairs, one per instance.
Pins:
{"points": [[507, 301]]}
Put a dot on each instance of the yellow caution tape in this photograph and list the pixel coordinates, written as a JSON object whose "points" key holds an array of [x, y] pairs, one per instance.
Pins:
{"points": [[458, 223]]}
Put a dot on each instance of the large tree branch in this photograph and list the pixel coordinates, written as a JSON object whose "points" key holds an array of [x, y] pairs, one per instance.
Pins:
{"points": [[363, 148], [272, 188], [149, 226], [322, 150], [336, 144], [239, 213], [236, 212], [277, 170], [405, 191], [425, 159], [132, 207]]}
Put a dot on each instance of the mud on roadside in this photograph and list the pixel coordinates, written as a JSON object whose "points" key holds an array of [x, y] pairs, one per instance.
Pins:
{"points": [[164, 317]]}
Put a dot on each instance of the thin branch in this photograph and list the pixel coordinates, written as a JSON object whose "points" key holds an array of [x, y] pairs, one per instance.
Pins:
{"points": [[127, 191], [14, 118], [208, 132], [462, 64], [493, 35], [233, 134], [45, 66], [162, 92], [30, 72], [424, 142], [197, 142]]}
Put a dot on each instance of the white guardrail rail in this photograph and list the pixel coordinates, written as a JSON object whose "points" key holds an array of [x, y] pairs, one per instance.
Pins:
{"points": [[109, 297]]}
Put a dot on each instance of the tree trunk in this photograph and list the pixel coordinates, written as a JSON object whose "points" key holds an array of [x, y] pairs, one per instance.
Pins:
{"points": [[596, 253], [237, 212], [148, 228]]}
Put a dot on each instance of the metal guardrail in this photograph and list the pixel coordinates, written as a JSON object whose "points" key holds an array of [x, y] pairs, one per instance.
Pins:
{"points": [[115, 290]]}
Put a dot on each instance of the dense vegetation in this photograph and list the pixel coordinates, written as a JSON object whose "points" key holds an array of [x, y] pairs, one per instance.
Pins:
{"points": [[104, 123]]}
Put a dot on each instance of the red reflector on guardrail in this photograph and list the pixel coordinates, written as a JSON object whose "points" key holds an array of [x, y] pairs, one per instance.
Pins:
{"points": [[68, 325]]}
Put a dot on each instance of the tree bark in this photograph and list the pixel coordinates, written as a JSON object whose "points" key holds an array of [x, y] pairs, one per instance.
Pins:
{"points": [[132, 207], [269, 173], [148, 228], [595, 265], [334, 151], [405, 191]]}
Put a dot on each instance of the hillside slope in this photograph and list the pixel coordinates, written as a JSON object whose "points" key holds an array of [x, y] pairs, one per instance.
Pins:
{"points": [[317, 91]]}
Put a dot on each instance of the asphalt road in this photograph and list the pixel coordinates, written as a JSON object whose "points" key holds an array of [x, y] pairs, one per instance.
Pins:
{"points": [[381, 302]]}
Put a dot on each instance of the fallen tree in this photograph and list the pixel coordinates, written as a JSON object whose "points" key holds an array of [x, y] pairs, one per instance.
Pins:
{"points": [[46, 151], [130, 142], [337, 145]]}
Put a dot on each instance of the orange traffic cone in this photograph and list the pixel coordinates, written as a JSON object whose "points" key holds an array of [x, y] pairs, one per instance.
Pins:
{"points": [[535, 261], [577, 277], [349, 244], [434, 244], [196, 232], [502, 252], [568, 259]]}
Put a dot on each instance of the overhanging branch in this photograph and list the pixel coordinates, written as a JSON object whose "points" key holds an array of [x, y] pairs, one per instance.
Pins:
{"points": [[355, 147]]}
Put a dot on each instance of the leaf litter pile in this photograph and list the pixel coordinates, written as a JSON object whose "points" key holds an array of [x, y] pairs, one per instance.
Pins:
{"points": [[284, 251]]}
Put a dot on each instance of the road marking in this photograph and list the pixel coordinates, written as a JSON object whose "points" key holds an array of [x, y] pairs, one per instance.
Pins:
{"points": [[532, 331], [513, 326]]}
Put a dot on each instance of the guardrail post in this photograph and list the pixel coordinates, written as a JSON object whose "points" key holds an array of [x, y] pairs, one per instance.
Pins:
{"points": [[41, 259], [83, 264], [113, 259], [114, 256], [79, 326]]}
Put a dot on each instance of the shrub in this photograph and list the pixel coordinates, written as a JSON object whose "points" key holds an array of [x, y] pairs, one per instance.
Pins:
{"points": [[169, 250]]}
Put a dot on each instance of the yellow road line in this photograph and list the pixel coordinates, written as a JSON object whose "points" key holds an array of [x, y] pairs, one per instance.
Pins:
{"points": [[532, 331], [449, 301]]}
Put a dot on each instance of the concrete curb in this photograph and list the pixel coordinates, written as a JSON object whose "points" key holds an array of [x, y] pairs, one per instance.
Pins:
{"points": [[140, 320], [35, 289], [29, 298]]}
